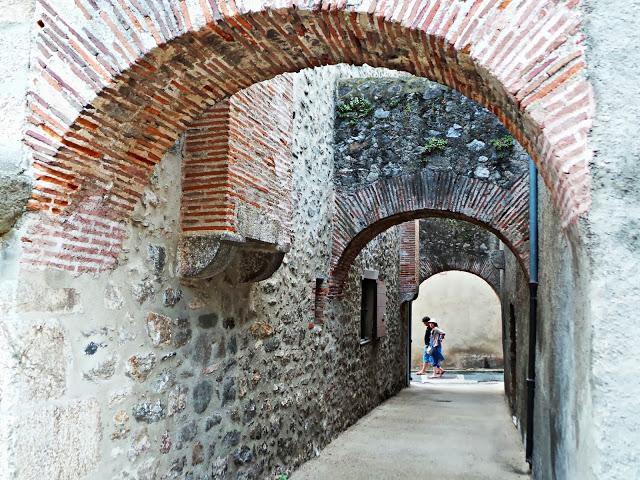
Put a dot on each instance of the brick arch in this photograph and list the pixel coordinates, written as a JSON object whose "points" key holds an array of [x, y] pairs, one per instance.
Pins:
{"points": [[116, 83], [483, 269], [363, 215]]}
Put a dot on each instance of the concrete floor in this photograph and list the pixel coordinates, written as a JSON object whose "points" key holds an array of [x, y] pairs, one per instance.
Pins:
{"points": [[443, 431]]}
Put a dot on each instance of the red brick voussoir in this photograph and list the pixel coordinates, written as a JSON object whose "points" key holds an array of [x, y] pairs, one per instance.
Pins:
{"points": [[115, 82], [364, 214], [482, 268]]}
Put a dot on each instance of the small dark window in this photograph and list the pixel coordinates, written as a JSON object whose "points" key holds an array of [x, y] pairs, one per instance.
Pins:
{"points": [[368, 309], [320, 298], [374, 304]]}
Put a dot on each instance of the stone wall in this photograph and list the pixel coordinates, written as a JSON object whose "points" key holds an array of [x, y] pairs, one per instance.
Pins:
{"points": [[398, 135], [609, 292], [449, 244], [136, 374], [563, 354], [409, 149], [514, 297], [16, 24], [563, 349]]}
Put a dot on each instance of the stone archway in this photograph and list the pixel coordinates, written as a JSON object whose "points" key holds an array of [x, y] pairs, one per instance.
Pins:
{"points": [[107, 105]]}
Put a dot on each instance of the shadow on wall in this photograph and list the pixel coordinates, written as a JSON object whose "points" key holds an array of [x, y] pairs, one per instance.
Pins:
{"points": [[468, 309]]}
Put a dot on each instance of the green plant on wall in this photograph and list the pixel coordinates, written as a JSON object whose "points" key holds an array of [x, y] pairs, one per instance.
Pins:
{"points": [[355, 109], [434, 145], [282, 476], [503, 145]]}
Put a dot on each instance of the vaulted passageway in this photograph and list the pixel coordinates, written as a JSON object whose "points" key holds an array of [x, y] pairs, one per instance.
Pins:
{"points": [[224, 368], [166, 296]]}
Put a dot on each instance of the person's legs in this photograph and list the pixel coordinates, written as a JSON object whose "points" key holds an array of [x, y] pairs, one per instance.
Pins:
{"points": [[438, 352], [425, 362], [436, 366]]}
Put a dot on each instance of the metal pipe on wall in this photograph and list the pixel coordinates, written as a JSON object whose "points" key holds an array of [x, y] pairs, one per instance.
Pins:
{"points": [[407, 318], [533, 306]]}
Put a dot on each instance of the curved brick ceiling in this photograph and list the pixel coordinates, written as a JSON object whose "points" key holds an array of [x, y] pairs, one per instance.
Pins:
{"points": [[116, 82]]}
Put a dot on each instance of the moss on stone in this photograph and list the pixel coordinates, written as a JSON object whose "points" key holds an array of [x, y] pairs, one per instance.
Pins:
{"points": [[355, 109], [434, 144], [503, 145]]}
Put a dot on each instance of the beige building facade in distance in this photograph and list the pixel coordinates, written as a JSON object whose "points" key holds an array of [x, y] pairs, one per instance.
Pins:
{"points": [[467, 308]]}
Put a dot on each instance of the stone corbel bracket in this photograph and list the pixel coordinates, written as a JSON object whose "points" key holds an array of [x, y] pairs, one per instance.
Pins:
{"points": [[240, 259]]}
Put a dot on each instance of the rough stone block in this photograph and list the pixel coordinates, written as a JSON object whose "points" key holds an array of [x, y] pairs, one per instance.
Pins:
{"points": [[197, 454], [149, 412], [171, 296], [113, 299], [121, 425], [42, 439], [219, 469], [202, 396], [143, 291], [181, 332], [139, 444], [103, 370], [148, 470], [189, 431], [157, 256], [16, 190], [159, 329], [177, 400], [36, 298], [139, 366], [43, 361], [242, 260]]}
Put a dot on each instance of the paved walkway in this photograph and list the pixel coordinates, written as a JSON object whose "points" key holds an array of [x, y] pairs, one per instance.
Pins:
{"points": [[443, 431]]}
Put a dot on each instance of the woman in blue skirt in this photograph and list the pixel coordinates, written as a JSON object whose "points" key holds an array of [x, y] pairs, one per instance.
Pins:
{"points": [[437, 336]]}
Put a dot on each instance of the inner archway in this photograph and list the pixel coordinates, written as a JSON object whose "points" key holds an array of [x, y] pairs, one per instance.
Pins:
{"points": [[468, 309]]}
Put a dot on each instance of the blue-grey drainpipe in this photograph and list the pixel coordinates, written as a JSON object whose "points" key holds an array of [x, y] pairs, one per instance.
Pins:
{"points": [[533, 305]]}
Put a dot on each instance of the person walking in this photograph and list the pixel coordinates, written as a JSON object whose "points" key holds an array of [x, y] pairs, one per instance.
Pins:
{"points": [[426, 357], [437, 336]]}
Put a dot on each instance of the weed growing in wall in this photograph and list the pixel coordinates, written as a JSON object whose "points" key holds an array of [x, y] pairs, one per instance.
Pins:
{"points": [[355, 109], [503, 145], [434, 145]]}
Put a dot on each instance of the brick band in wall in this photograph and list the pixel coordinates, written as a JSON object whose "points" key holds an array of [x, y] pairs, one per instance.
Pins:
{"points": [[116, 82], [409, 260], [237, 158]]}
